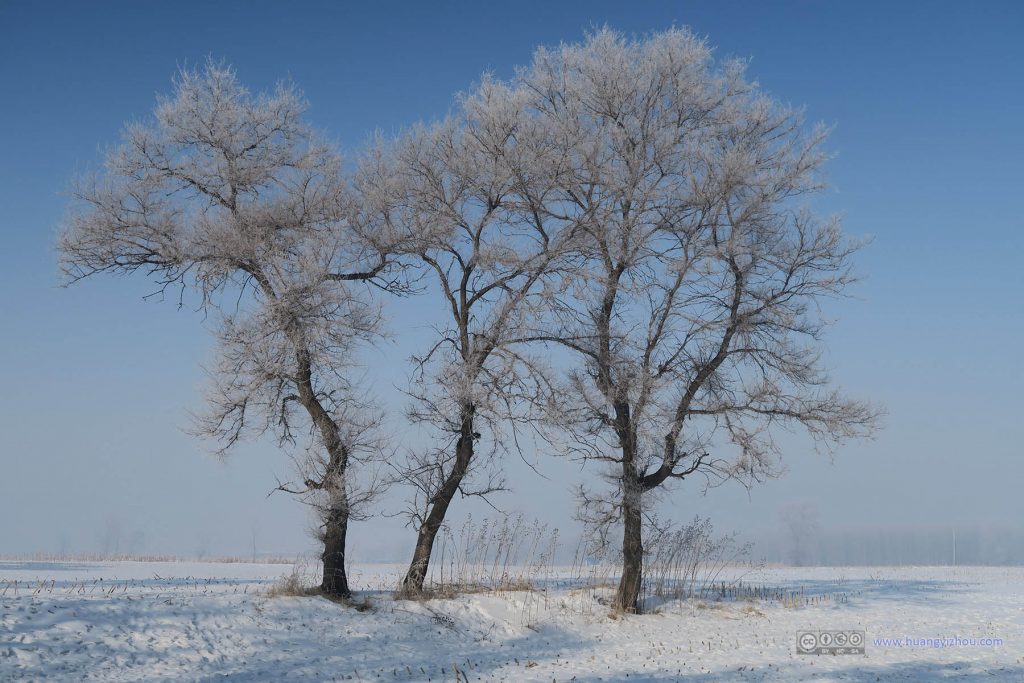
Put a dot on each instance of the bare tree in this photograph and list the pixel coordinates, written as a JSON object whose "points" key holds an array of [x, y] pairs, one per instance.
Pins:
{"points": [[474, 190], [234, 196], [695, 315], [801, 528]]}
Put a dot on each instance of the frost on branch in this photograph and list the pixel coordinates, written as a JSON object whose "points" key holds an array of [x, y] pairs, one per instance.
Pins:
{"points": [[233, 196]]}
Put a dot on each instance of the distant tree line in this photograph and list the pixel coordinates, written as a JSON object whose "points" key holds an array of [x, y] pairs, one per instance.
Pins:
{"points": [[899, 544]]}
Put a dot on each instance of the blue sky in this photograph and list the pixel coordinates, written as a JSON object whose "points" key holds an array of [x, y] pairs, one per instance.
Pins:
{"points": [[927, 103]]}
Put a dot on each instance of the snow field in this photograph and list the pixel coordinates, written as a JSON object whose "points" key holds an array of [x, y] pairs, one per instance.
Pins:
{"points": [[151, 621]]}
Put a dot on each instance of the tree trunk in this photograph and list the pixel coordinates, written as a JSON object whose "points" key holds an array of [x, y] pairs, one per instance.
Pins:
{"points": [[335, 519], [336, 511], [335, 581], [628, 597], [413, 582], [417, 573]]}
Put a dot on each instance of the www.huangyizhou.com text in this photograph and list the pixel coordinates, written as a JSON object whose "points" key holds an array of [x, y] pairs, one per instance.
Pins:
{"points": [[937, 643]]}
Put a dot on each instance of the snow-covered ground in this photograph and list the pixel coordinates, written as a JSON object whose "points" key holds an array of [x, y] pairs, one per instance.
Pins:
{"points": [[146, 621]]}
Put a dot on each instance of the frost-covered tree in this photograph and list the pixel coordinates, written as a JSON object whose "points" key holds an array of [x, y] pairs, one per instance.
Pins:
{"points": [[695, 314], [474, 190], [234, 196]]}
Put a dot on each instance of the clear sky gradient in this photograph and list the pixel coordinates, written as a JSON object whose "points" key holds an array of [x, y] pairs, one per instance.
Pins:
{"points": [[927, 100]]}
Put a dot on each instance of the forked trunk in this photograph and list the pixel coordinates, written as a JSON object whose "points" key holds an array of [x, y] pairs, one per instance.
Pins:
{"points": [[412, 584]]}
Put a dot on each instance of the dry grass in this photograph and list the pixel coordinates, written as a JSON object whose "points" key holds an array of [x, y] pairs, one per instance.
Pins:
{"points": [[689, 561], [752, 611], [497, 556], [451, 590], [300, 583], [294, 584]]}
